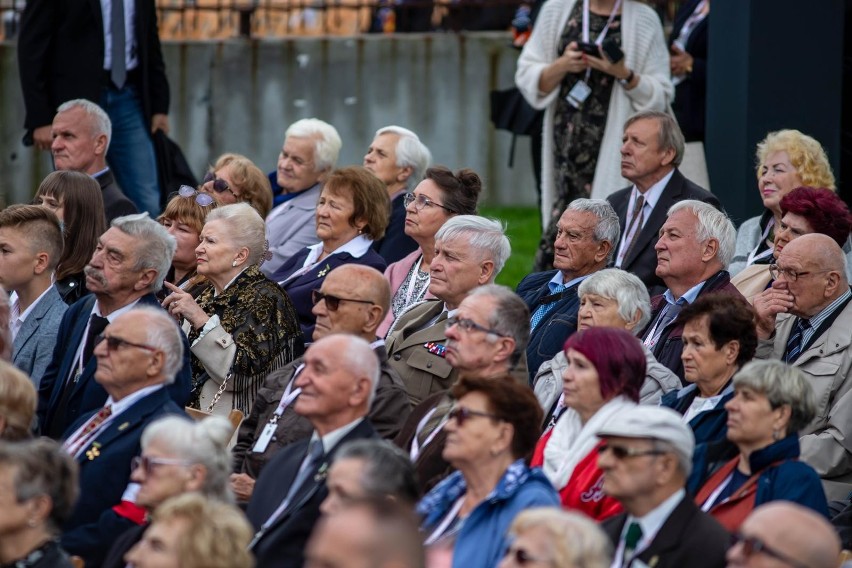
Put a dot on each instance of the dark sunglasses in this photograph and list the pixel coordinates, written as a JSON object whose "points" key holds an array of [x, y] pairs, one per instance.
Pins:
{"points": [[752, 545], [622, 453], [113, 343], [470, 325], [462, 414], [523, 558], [333, 302], [203, 199], [219, 185], [148, 463]]}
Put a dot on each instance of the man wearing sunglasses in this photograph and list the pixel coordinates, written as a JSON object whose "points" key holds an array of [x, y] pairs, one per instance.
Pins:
{"points": [[138, 354], [353, 300], [784, 534], [646, 457], [310, 151], [805, 320]]}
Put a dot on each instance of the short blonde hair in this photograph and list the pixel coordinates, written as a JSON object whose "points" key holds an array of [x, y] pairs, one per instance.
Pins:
{"points": [[805, 153], [18, 400], [217, 534], [186, 210], [577, 541], [250, 180]]}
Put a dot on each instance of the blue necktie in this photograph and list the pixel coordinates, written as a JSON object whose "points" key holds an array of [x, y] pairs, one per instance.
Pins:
{"points": [[794, 344], [315, 454], [543, 309]]}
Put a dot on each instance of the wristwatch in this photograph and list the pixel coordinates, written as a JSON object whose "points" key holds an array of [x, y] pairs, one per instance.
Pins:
{"points": [[628, 80]]}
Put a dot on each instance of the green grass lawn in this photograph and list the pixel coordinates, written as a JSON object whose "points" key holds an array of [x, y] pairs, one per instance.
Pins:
{"points": [[522, 228]]}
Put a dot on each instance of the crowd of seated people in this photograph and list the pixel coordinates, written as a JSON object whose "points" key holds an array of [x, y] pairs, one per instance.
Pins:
{"points": [[331, 377]]}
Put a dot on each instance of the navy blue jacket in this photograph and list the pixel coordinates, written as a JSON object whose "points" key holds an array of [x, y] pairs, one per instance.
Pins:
{"points": [[396, 245], [87, 395], [299, 289], [548, 337]]}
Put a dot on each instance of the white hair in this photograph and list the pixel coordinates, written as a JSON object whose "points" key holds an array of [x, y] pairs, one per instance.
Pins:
{"points": [[712, 224], [245, 226], [410, 152], [487, 236], [327, 141], [155, 247], [607, 228], [625, 288], [100, 121], [163, 333]]}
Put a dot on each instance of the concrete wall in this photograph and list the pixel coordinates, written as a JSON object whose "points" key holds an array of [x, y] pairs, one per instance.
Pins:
{"points": [[240, 95]]}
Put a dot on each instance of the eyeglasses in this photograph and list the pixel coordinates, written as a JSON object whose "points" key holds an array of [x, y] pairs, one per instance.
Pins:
{"points": [[462, 414], [148, 463], [421, 201], [523, 558], [622, 453], [751, 545], [333, 302], [790, 275], [470, 325], [219, 185], [203, 199], [113, 343]]}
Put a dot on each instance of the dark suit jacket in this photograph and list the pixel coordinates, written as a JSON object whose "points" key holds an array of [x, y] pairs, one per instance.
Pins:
{"points": [[687, 538], [430, 465], [690, 100], [642, 260], [61, 57], [396, 245], [87, 395], [283, 544], [548, 337], [104, 475], [116, 204], [299, 289], [33, 345]]}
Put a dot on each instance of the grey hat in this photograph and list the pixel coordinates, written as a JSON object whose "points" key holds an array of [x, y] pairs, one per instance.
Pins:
{"points": [[656, 423]]}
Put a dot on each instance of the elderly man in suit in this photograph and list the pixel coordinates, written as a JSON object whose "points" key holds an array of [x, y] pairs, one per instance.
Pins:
{"points": [[469, 251], [586, 235], [337, 386], [31, 241], [126, 269], [652, 149], [805, 319], [399, 159], [646, 457], [139, 353], [353, 299], [310, 151], [81, 137]]}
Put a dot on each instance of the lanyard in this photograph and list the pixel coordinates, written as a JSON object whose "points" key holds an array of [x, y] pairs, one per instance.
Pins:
{"points": [[753, 256], [602, 35], [445, 524], [693, 20], [409, 292], [416, 448], [287, 399]]}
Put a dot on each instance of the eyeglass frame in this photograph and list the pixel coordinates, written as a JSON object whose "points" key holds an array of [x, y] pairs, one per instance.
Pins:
{"points": [[149, 463], [752, 545], [791, 275], [462, 414], [332, 302], [468, 324], [421, 201], [201, 198], [622, 453], [114, 343], [211, 176]]}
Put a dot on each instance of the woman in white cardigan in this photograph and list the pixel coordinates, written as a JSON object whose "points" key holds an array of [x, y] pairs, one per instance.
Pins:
{"points": [[640, 81]]}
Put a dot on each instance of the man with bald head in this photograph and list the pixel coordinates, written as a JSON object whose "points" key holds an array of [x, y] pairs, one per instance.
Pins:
{"points": [[353, 299], [781, 533], [805, 319], [337, 385]]}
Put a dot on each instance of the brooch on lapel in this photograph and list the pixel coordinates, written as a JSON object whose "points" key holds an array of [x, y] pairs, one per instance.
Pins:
{"points": [[123, 427], [321, 473], [436, 349], [94, 451], [324, 271]]}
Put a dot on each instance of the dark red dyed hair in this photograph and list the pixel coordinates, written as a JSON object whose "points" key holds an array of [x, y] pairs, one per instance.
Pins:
{"points": [[824, 211], [618, 358]]}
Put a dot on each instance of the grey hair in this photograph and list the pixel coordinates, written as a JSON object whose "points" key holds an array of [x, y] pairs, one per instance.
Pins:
{"points": [[670, 136], [712, 224], [203, 442], [155, 247], [487, 236], [782, 385], [410, 152], [576, 539], [163, 333], [327, 141], [388, 471], [607, 228], [360, 358], [511, 316], [245, 226], [626, 289], [101, 124]]}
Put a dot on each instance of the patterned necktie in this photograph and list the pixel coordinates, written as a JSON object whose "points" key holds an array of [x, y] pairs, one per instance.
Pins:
{"points": [[118, 71], [543, 309], [636, 223], [631, 539], [73, 446], [794, 344]]}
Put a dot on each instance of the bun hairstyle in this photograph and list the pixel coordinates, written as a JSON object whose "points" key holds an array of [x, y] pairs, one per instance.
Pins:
{"points": [[461, 189]]}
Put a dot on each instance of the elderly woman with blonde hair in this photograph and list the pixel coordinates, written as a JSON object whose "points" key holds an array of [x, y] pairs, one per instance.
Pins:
{"points": [[558, 538], [18, 399], [235, 179]]}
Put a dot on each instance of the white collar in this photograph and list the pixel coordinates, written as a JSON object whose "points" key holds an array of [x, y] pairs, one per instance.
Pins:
{"points": [[230, 281], [653, 521], [334, 437], [654, 192], [96, 310], [19, 321], [120, 406], [357, 247]]}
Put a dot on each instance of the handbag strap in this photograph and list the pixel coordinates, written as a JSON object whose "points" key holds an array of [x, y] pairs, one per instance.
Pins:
{"points": [[219, 392]]}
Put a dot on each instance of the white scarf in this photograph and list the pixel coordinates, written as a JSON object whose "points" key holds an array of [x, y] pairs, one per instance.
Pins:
{"points": [[572, 440]]}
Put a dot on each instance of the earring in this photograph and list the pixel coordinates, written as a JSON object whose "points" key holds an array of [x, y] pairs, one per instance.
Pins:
{"points": [[776, 435], [32, 523], [234, 264]]}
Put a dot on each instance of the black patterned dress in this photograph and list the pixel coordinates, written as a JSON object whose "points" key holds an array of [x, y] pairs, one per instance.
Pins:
{"points": [[577, 133]]}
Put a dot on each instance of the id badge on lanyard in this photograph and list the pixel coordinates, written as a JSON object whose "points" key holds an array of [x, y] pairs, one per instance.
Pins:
{"points": [[581, 90]]}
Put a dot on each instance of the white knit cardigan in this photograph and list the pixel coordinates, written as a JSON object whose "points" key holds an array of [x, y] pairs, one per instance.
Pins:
{"points": [[645, 53]]}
